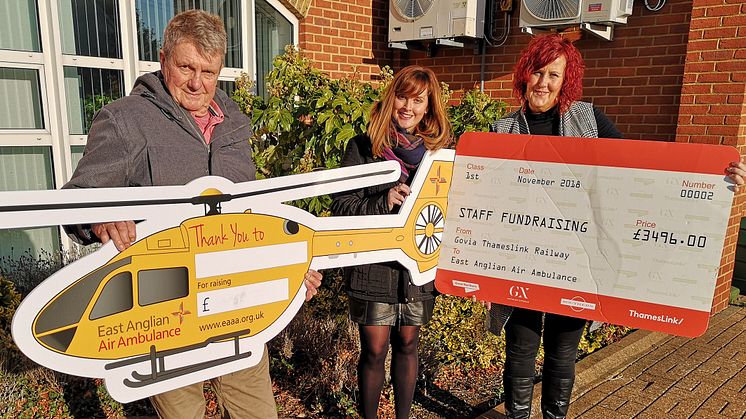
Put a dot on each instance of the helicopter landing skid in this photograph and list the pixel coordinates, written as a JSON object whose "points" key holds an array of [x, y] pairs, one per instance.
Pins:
{"points": [[159, 371]]}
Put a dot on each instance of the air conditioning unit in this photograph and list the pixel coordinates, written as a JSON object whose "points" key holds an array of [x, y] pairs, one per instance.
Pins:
{"points": [[418, 20], [596, 16]]}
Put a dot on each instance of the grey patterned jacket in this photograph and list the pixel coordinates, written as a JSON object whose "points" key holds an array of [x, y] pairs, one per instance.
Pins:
{"points": [[578, 121]]}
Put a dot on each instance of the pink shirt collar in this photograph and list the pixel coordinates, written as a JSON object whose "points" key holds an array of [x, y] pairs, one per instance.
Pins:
{"points": [[210, 120]]}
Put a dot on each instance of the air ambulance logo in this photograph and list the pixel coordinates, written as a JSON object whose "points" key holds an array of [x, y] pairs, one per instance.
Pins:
{"points": [[181, 313], [438, 180]]}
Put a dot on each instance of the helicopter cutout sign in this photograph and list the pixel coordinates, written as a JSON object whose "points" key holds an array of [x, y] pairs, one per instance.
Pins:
{"points": [[216, 271]]}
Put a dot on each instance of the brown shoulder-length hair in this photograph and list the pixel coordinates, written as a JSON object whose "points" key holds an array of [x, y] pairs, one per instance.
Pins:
{"points": [[411, 81], [541, 51]]}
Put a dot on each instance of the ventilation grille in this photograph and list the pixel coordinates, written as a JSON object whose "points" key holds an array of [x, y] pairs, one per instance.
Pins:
{"points": [[412, 9], [553, 9]]}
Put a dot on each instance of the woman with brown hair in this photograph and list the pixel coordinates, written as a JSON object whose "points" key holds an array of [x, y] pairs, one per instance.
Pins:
{"points": [[409, 120]]}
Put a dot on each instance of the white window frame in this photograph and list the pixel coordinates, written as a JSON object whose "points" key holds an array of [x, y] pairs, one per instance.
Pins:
{"points": [[29, 136], [285, 13]]}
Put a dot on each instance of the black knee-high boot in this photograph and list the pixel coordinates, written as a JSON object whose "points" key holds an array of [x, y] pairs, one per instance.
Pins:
{"points": [[555, 397], [518, 395]]}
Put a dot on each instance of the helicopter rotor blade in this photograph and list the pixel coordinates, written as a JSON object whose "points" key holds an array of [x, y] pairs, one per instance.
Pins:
{"points": [[324, 182], [21, 209]]}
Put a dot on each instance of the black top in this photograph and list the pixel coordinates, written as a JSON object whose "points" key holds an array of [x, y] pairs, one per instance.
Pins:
{"points": [[386, 282], [547, 123]]}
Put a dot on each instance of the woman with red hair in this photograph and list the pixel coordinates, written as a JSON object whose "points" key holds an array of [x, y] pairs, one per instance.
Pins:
{"points": [[408, 120], [548, 82]]}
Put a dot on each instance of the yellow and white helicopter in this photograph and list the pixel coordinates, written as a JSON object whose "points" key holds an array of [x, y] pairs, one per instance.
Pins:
{"points": [[217, 269]]}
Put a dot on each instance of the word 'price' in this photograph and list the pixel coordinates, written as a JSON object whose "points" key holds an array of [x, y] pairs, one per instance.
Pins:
{"points": [[667, 237]]}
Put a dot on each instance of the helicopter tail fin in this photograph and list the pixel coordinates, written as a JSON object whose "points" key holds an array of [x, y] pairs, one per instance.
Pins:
{"points": [[411, 237], [424, 225]]}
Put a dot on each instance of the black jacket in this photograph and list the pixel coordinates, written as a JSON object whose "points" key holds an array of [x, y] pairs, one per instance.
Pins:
{"points": [[380, 282]]}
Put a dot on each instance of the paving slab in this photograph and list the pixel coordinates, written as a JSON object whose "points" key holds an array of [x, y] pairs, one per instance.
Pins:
{"points": [[653, 375]]}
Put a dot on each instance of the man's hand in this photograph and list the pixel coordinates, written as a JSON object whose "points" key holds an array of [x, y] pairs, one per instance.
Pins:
{"points": [[121, 232], [312, 280]]}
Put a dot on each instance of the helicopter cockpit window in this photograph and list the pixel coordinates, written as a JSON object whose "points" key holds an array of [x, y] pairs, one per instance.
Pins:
{"points": [[116, 296], [67, 309], [158, 285]]}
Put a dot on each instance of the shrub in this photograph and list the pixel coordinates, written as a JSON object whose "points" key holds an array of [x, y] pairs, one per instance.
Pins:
{"points": [[457, 335], [475, 113], [602, 336], [9, 301], [27, 270]]}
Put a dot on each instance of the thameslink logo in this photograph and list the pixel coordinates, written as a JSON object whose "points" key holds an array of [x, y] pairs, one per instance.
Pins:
{"points": [[661, 318]]}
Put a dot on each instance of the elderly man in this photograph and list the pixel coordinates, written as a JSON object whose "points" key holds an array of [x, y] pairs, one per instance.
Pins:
{"points": [[176, 126]]}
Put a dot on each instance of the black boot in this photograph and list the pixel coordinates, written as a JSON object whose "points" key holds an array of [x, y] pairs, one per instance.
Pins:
{"points": [[555, 397], [518, 395]]}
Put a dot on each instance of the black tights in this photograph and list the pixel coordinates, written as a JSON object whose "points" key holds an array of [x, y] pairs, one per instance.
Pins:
{"points": [[374, 342], [561, 337]]}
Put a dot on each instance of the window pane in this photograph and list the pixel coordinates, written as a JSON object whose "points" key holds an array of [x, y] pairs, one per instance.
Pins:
{"points": [[88, 90], [116, 296], [90, 27], [227, 86], [77, 154], [159, 285], [19, 28], [20, 99], [273, 34], [27, 168], [153, 15]]}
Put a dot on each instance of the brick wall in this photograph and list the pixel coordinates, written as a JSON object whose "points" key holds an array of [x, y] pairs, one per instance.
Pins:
{"points": [[713, 101], [636, 78], [343, 37]]}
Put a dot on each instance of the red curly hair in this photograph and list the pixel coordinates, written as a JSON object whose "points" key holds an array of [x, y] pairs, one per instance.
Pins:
{"points": [[541, 51]]}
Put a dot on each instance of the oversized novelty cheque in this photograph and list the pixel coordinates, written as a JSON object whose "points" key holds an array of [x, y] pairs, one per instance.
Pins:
{"points": [[216, 271], [621, 231]]}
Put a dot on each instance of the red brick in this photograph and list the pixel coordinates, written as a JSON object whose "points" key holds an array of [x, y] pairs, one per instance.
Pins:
{"points": [[692, 130], [726, 109], [713, 78], [703, 45], [723, 130], [737, 20], [667, 19], [696, 89], [720, 33], [706, 4], [668, 60], [708, 119], [731, 66], [706, 23], [331, 14], [649, 71], [724, 10], [709, 99], [633, 62]]}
